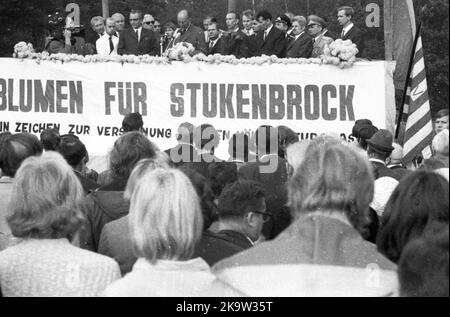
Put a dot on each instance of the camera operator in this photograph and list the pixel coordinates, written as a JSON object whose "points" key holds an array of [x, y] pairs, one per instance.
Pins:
{"points": [[65, 37]]}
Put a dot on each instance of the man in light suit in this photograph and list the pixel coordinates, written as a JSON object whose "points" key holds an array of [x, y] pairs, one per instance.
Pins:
{"points": [[317, 30], [137, 40], [269, 40], [107, 44], [349, 30], [300, 44], [187, 32]]}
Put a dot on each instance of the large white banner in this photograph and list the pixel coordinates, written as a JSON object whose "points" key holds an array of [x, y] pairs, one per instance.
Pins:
{"points": [[91, 100]]}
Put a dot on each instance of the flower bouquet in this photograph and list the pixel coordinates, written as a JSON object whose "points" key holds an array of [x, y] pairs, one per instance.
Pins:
{"points": [[23, 50], [181, 51], [340, 53]]}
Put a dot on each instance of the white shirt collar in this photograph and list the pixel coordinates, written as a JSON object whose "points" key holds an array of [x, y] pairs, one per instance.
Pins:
{"points": [[377, 161], [268, 30], [347, 28], [297, 36]]}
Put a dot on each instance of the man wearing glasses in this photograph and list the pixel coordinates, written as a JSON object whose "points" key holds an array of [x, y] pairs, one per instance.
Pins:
{"points": [[137, 40], [242, 213], [148, 22]]}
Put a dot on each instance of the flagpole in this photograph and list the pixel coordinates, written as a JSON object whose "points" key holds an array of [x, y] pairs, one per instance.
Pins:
{"points": [[410, 66]]}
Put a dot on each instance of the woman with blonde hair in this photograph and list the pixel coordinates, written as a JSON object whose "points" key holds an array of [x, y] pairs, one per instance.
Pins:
{"points": [[165, 223], [45, 213]]}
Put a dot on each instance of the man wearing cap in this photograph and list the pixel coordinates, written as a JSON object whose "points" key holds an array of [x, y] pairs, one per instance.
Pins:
{"points": [[283, 23], [269, 40], [349, 30], [379, 149], [107, 44], [137, 40], [299, 44], [317, 30]]}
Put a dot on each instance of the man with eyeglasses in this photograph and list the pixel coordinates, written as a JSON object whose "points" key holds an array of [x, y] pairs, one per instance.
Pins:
{"points": [[137, 40], [148, 22], [242, 213]]}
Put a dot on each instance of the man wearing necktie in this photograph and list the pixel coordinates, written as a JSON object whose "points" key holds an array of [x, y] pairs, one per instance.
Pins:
{"points": [[269, 40], [137, 40], [349, 30], [107, 44]]}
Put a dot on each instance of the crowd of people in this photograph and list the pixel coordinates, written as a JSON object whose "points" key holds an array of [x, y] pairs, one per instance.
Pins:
{"points": [[244, 35], [280, 217]]}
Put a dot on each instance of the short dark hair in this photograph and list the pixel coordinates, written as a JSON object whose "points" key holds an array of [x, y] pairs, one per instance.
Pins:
{"points": [[50, 139], [15, 149], [220, 174], [419, 200], [358, 123], [206, 134], [249, 14], [203, 188], [73, 150], [424, 265], [237, 197], [129, 149], [266, 15], [442, 113], [349, 11], [132, 122]]}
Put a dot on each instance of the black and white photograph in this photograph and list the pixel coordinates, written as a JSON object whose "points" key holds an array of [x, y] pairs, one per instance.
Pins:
{"points": [[224, 154]]}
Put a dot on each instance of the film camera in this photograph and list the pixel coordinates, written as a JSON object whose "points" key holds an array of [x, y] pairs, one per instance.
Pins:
{"points": [[61, 21]]}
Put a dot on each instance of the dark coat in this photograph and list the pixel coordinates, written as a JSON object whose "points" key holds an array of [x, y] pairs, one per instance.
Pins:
{"points": [[101, 207], [115, 242], [128, 43], [357, 37], [220, 47], [273, 45], [238, 44], [87, 184], [195, 36], [214, 247], [399, 171], [275, 191], [252, 45], [300, 48], [380, 170]]}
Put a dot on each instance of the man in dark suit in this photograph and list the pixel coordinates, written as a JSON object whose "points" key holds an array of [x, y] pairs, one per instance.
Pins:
{"points": [[271, 172], [269, 40], [242, 213], [216, 43], [238, 44], [137, 40], [379, 149], [349, 30], [189, 33], [300, 44]]}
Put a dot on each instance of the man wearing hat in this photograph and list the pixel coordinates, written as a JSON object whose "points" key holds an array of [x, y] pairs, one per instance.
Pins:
{"points": [[283, 23], [317, 30], [379, 149], [300, 44]]}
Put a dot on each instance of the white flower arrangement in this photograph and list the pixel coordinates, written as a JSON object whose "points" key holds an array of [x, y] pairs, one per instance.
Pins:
{"points": [[339, 53], [23, 50]]}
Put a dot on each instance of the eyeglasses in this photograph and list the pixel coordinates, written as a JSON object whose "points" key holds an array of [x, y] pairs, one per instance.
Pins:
{"points": [[149, 22], [266, 216]]}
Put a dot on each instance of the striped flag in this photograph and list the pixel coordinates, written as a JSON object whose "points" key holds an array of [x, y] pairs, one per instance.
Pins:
{"points": [[418, 132]]}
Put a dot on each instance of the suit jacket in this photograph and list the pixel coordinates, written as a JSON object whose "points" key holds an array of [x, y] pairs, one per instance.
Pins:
{"points": [[102, 45], [274, 188], [252, 45], [128, 43], [301, 47], [238, 44], [220, 47], [380, 170], [214, 247], [319, 45], [274, 43], [399, 171], [357, 37], [193, 35]]}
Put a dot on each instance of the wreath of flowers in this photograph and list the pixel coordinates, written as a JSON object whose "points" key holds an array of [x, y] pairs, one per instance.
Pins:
{"points": [[339, 53]]}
